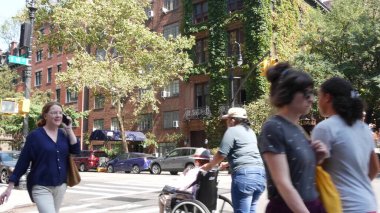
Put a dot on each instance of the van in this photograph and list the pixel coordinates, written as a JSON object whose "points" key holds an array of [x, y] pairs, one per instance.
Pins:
{"points": [[90, 159]]}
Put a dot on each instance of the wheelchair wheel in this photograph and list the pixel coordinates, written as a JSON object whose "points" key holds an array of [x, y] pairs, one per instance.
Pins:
{"points": [[224, 205], [190, 206]]}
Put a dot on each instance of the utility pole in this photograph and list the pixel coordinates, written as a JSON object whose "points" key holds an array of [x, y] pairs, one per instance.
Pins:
{"points": [[30, 4]]}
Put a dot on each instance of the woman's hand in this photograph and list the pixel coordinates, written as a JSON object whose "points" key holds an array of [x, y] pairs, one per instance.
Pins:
{"points": [[320, 150], [5, 195]]}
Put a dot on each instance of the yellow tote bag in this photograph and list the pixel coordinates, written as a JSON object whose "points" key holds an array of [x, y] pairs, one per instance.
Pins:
{"points": [[328, 193]]}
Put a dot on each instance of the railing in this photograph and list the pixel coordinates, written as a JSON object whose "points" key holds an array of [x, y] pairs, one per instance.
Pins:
{"points": [[198, 113], [6, 137]]}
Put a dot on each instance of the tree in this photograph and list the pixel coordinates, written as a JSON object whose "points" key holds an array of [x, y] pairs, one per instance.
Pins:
{"points": [[348, 38], [10, 30], [132, 63]]}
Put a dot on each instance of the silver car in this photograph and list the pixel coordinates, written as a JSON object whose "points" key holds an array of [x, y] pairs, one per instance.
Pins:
{"points": [[176, 161]]}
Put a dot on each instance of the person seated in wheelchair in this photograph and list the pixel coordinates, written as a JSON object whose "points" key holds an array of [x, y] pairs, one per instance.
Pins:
{"points": [[184, 187]]}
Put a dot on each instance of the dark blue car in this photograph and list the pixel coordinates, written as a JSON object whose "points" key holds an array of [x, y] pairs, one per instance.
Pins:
{"points": [[133, 162]]}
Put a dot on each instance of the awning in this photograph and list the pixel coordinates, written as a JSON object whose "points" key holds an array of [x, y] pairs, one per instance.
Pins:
{"points": [[115, 135]]}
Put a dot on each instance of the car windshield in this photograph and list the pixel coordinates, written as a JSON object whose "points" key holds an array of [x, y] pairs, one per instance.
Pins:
{"points": [[9, 156]]}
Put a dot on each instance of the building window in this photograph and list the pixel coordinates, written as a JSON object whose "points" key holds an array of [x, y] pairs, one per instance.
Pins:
{"points": [[39, 55], [42, 31], [50, 53], [38, 78], [60, 49], [200, 12], [99, 101], [98, 124], [234, 5], [169, 118], [236, 35], [201, 51], [172, 89], [59, 67], [114, 124], [23, 77], [100, 54], [171, 30], [171, 4], [58, 95], [202, 98], [145, 122], [49, 73], [71, 96]]}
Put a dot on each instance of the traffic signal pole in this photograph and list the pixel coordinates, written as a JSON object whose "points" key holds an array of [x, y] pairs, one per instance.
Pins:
{"points": [[30, 4]]}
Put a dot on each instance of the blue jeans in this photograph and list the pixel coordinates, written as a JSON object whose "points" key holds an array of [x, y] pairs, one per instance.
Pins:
{"points": [[246, 187]]}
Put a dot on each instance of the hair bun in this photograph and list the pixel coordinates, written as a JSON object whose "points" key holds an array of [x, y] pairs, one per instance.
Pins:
{"points": [[275, 72]]}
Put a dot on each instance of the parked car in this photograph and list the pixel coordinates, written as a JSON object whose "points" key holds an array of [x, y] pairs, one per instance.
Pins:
{"points": [[8, 160], [176, 161], [90, 159], [133, 162]]}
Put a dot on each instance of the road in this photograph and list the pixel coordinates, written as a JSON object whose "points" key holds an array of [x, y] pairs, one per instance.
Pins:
{"points": [[135, 193]]}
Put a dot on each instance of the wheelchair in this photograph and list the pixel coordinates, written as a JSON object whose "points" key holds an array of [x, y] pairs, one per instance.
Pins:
{"points": [[205, 199]]}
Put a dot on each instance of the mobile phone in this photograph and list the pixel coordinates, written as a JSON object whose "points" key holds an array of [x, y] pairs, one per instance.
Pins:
{"points": [[65, 120]]}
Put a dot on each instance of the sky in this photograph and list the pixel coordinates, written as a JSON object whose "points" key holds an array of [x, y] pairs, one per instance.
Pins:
{"points": [[9, 8]]}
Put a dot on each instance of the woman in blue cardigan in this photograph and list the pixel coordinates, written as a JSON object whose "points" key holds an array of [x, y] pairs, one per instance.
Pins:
{"points": [[47, 150]]}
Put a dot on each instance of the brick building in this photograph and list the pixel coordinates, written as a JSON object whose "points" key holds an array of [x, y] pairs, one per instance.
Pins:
{"points": [[184, 104]]}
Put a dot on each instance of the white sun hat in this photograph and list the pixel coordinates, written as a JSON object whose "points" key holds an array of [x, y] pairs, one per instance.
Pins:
{"points": [[236, 112]]}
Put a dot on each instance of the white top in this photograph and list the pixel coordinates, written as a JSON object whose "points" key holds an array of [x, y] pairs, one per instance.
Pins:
{"points": [[350, 150]]}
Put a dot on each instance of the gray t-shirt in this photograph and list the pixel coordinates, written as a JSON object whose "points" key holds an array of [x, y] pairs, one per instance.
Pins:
{"points": [[280, 136], [350, 148], [239, 145]]}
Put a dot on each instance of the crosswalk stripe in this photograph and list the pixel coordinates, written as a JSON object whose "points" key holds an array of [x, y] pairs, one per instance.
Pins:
{"points": [[122, 207], [88, 193], [122, 187], [117, 195]]}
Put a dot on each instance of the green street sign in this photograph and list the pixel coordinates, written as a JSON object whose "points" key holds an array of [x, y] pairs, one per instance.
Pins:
{"points": [[18, 60]]}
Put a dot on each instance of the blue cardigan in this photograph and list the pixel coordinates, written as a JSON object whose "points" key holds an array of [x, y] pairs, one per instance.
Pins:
{"points": [[48, 160]]}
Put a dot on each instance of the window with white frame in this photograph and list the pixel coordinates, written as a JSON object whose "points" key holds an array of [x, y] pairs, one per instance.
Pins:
{"points": [[114, 124], [99, 101], [98, 124], [50, 53], [169, 117], [171, 4], [71, 96], [172, 89], [145, 122], [49, 74], [171, 30], [39, 55], [38, 78]]}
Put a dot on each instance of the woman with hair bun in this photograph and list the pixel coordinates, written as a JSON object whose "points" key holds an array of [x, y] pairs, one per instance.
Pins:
{"points": [[352, 163], [290, 158]]}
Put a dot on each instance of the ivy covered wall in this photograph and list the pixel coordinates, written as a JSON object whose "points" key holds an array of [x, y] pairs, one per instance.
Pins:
{"points": [[269, 26]]}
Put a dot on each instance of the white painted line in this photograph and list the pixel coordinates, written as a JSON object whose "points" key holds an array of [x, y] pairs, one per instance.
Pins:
{"points": [[67, 208], [122, 187], [156, 209], [123, 207], [88, 193], [118, 195]]}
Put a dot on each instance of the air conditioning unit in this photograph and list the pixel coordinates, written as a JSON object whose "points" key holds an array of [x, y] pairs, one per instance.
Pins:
{"points": [[150, 14], [175, 124], [164, 10], [165, 94]]}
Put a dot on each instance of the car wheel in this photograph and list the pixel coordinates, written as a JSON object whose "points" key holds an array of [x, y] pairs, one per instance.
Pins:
{"points": [[110, 169], [82, 167], [189, 166], [4, 176], [135, 169], [156, 169], [173, 172]]}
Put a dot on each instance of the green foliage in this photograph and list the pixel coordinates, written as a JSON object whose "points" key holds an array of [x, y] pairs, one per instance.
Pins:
{"points": [[7, 78], [116, 149], [258, 112], [136, 64], [348, 38], [150, 140]]}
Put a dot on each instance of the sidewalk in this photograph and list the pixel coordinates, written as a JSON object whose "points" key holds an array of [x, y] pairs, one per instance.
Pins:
{"points": [[19, 198]]}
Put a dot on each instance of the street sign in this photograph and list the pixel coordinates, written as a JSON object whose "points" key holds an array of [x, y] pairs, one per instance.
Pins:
{"points": [[18, 60]]}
